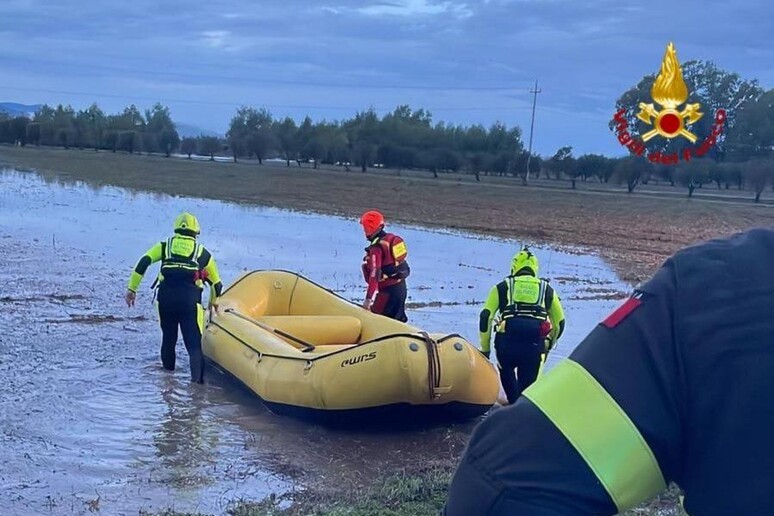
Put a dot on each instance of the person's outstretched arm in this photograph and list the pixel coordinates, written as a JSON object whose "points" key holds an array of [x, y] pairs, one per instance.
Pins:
{"points": [[210, 267], [151, 256], [556, 315], [485, 320]]}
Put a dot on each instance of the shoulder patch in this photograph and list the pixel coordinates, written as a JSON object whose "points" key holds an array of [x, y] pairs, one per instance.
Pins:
{"points": [[623, 311]]}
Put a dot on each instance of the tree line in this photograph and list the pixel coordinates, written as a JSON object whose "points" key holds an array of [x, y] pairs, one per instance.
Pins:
{"points": [[409, 139], [129, 131], [403, 139]]}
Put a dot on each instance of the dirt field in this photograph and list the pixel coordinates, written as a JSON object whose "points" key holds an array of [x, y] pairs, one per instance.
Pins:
{"points": [[635, 232]]}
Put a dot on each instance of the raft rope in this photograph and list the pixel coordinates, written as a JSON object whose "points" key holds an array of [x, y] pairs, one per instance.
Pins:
{"points": [[307, 346], [433, 364], [323, 356]]}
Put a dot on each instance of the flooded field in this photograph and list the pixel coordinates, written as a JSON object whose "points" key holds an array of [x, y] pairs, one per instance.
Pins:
{"points": [[90, 421]]}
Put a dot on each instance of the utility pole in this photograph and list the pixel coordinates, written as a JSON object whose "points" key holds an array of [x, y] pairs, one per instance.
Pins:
{"points": [[534, 91]]}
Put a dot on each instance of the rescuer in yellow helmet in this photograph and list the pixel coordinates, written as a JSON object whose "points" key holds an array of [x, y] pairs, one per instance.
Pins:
{"points": [[528, 318], [186, 266]]}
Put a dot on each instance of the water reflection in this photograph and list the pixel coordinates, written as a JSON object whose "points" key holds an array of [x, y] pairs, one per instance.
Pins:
{"points": [[185, 441]]}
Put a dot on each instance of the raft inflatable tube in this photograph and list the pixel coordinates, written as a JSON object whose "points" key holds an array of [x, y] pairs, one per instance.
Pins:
{"points": [[308, 353]]}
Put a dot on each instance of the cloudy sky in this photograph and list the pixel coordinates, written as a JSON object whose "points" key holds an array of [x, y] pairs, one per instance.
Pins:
{"points": [[466, 61]]}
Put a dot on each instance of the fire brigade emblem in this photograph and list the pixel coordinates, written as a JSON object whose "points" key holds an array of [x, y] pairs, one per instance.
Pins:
{"points": [[670, 92]]}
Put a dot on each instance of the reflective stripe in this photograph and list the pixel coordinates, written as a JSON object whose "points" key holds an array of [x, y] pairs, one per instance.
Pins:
{"points": [[600, 431], [399, 251], [200, 317], [543, 357]]}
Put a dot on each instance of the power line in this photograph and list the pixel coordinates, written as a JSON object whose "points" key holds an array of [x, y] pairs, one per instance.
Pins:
{"points": [[265, 80], [232, 104], [535, 92], [238, 104]]}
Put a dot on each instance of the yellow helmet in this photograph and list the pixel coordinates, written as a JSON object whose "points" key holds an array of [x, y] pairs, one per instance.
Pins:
{"points": [[524, 259], [186, 223]]}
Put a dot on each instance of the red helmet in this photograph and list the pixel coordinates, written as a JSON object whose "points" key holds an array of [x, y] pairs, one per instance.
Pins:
{"points": [[372, 221]]}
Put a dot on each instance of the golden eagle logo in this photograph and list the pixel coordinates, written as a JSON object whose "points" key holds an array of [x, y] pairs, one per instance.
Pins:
{"points": [[670, 92]]}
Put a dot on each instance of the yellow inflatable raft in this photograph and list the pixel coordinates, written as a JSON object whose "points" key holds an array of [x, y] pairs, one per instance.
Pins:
{"points": [[309, 353]]}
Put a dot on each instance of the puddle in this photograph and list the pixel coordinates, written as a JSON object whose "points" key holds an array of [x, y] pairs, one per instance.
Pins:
{"points": [[87, 415]]}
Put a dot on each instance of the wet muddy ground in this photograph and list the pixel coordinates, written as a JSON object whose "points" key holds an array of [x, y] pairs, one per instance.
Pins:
{"points": [[88, 418]]}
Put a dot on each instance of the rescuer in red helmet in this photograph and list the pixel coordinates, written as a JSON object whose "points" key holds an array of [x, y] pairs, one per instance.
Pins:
{"points": [[385, 269]]}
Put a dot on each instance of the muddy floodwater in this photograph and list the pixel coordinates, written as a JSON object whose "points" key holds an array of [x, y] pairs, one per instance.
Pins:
{"points": [[90, 421]]}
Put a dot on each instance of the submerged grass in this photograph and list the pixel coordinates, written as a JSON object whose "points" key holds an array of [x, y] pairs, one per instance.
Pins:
{"points": [[399, 494], [93, 319], [417, 492]]}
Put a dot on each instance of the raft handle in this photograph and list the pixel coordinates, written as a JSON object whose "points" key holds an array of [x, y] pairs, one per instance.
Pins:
{"points": [[433, 365]]}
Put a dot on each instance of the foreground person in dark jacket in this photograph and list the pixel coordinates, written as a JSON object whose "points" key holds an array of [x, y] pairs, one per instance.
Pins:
{"points": [[675, 385]]}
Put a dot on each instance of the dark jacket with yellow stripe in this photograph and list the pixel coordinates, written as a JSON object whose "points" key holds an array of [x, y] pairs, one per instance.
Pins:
{"points": [[186, 266], [676, 385]]}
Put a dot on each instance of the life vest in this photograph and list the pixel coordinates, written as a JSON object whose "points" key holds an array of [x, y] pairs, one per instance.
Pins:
{"points": [[180, 263], [523, 296], [394, 254]]}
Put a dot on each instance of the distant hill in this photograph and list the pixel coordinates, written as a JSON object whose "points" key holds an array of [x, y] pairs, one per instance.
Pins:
{"points": [[192, 131], [14, 109]]}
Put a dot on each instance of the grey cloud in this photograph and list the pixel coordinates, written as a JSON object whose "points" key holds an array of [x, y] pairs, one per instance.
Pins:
{"points": [[349, 54], [416, 8]]}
